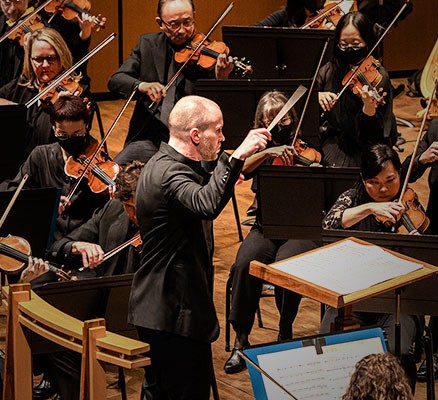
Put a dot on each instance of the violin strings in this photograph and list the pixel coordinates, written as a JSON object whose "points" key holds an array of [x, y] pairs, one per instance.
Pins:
{"points": [[10, 251]]}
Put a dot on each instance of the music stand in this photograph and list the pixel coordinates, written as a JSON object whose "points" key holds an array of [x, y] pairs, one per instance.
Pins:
{"points": [[293, 200], [13, 126], [244, 94], [32, 217], [274, 53]]}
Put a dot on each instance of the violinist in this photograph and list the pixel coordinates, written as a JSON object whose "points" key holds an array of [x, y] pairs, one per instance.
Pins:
{"points": [[246, 289], [46, 56], [45, 165], [150, 66], [358, 208], [109, 226], [353, 121]]}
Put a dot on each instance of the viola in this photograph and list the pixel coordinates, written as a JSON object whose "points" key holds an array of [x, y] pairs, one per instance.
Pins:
{"points": [[32, 24], [207, 54], [102, 172], [68, 84], [365, 74], [331, 13], [14, 257], [70, 9]]}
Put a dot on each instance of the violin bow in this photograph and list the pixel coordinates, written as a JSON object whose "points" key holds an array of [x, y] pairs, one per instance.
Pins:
{"points": [[198, 46], [382, 36], [90, 160], [21, 22], [118, 249], [287, 106], [300, 122], [417, 142], [67, 72], [13, 199], [319, 16]]}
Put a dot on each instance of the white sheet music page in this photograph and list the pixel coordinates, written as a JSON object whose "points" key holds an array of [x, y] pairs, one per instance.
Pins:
{"points": [[308, 375], [347, 267]]}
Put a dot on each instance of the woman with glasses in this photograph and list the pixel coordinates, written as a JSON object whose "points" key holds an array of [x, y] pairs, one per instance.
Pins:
{"points": [[352, 121], [150, 66], [46, 56], [362, 208]]}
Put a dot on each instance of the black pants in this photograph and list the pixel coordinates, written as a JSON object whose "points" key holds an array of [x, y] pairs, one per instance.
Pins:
{"points": [[181, 368], [247, 288]]}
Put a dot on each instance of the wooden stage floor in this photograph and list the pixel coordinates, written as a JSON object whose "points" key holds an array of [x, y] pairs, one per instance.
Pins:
{"points": [[227, 243]]}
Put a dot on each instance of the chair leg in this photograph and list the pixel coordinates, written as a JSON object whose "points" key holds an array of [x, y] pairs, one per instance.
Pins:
{"points": [[259, 317], [227, 314], [122, 383], [236, 216], [96, 110]]}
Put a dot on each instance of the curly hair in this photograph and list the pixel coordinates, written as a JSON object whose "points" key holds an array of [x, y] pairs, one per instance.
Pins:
{"points": [[378, 377], [126, 180]]}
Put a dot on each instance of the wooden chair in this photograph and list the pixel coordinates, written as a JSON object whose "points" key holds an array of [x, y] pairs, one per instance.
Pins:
{"points": [[28, 312]]}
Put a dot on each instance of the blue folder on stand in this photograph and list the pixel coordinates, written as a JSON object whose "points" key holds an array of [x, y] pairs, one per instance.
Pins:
{"points": [[316, 367]]}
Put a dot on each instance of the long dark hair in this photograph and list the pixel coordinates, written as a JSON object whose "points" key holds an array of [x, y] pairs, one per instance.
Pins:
{"points": [[361, 23], [376, 158]]}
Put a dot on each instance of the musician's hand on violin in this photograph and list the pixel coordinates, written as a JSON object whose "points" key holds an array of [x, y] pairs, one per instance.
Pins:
{"points": [[255, 141], [285, 153], [63, 203], [155, 90], [86, 24], [327, 25], [92, 254], [35, 268], [224, 66], [389, 210], [369, 100], [326, 100], [430, 155]]}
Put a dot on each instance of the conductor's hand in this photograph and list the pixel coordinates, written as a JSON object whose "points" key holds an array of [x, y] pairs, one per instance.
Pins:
{"points": [[35, 268], [285, 153], [155, 90], [92, 254], [326, 100], [255, 141], [390, 210]]}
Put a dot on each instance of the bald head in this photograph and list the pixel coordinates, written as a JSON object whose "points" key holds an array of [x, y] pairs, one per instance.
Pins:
{"points": [[194, 123]]}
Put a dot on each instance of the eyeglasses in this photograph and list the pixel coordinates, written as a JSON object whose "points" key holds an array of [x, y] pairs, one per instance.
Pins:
{"points": [[174, 25], [286, 120], [64, 135], [345, 47], [40, 60]]}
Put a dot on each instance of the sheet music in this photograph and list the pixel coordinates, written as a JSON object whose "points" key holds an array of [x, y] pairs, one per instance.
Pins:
{"points": [[308, 375], [347, 267]]}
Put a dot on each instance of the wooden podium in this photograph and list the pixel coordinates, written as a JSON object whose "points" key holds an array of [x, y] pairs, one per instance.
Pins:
{"points": [[272, 274]]}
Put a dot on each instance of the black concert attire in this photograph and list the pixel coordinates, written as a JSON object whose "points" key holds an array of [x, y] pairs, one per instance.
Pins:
{"points": [[345, 129], [281, 18], [109, 227], [333, 220], [383, 14], [152, 60], [11, 56], [171, 300]]}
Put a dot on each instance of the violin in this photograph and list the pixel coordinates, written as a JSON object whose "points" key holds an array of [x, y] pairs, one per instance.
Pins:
{"points": [[304, 155], [331, 13], [70, 9], [68, 84], [14, 257], [207, 54], [100, 175], [365, 74], [32, 24], [414, 218]]}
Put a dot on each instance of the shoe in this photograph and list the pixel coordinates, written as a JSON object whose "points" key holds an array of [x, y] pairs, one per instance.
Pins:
{"points": [[421, 373], [44, 390], [252, 209], [235, 363]]}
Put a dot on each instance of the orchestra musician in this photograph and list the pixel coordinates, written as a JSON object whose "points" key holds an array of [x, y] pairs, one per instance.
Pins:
{"points": [[171, 301], [45, 165], [46, 56], [151, 65], [108, 227], [352, 121], [246, 289], [362, 208]]}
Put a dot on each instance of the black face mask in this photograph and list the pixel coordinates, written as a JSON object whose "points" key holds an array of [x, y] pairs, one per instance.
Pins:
{"points": [[75, 146], [351, 56], [281, 134]]}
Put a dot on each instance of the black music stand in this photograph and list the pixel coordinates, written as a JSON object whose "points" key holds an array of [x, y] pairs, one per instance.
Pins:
{"points": [[418, 298], [13, 127], [238, 100], [274, 53], [33, 217], [293, 200]]}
